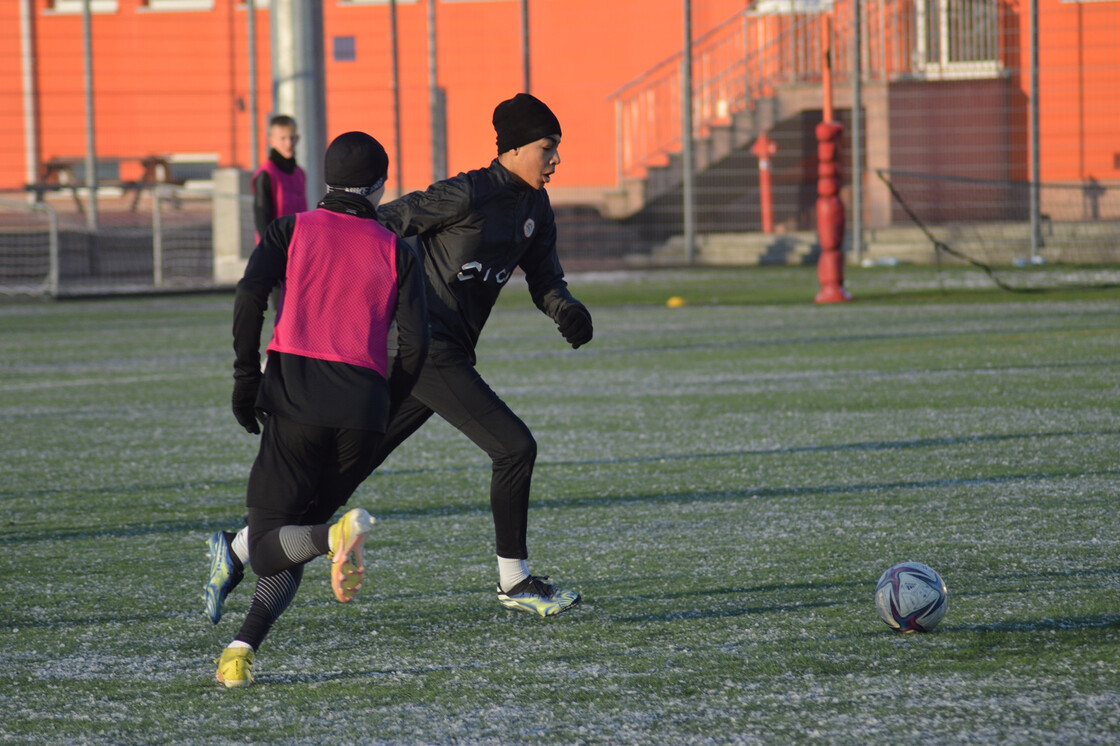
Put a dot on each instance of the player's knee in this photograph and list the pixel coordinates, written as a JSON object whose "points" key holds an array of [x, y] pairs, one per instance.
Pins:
{"points": [[521, 451]]}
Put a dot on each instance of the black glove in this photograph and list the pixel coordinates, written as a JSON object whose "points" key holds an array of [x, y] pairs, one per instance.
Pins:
{"points": [[245, 403], [575, 324]]}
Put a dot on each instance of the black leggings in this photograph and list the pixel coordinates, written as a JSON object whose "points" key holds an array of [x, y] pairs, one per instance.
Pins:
{"points": [[450, 386], [301, 476]]}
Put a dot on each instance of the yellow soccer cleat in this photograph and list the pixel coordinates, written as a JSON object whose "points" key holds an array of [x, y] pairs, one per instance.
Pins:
{"points": [[538, 597], [234, 667], [346, 538]]}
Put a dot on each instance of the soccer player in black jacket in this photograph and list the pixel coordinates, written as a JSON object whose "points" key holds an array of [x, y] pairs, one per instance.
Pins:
{"points": [[323, 401], [474, 229]]}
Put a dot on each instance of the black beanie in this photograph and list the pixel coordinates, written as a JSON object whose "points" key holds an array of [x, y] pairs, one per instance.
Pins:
{"points": [[521, 120], [354, 159]]}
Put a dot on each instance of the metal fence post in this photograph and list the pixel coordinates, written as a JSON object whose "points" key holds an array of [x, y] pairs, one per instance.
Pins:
{"points": [[857, 132], [1035, 176], [157, 239], [53, 268], [686, 138]]}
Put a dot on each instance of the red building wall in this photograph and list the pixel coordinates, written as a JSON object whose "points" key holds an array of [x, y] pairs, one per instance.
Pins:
{"points": [[177, 81], [169, 81], [1079, 71]]}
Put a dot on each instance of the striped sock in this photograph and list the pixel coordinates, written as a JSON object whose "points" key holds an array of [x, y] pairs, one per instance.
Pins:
{"points": [[270, 598], [297, 544]]}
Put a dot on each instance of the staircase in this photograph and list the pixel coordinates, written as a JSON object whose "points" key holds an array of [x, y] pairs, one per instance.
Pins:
{"points": [[739, 68], [762, 71]]}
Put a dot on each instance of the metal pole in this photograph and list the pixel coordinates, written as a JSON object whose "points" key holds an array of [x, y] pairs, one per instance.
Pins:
{"points": [[396, 96], [157, 239], [686, 136], [299, 82], [435, 100], [619, 142], [1036, 177], [91, 148], [52, 222], [857, 131], [525, 45], [254, 133], [30, 111]]}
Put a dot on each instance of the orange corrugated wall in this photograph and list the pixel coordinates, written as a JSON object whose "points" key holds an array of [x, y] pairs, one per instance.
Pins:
{"points": [[177, 81], [1079, 75]]}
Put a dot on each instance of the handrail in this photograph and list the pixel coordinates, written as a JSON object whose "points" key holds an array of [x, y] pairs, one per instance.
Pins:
{"points": [[746, 58]]}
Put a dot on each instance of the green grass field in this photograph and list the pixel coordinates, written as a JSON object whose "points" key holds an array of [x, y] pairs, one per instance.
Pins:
{"points": [[723, 482]]}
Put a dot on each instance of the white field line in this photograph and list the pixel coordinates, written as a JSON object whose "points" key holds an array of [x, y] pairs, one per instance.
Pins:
{"points": [[109, 381]]}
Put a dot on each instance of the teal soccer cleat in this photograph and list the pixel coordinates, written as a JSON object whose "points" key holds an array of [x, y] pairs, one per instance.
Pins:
{"points": [[224, 575]]}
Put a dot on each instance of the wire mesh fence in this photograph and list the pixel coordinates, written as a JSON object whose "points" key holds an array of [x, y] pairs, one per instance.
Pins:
{"points": [[28, 248], [954, 97], [988, 221], [166, 243]]}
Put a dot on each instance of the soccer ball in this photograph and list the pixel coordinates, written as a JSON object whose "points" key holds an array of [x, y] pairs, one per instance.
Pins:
{"points": [[911, 597]]}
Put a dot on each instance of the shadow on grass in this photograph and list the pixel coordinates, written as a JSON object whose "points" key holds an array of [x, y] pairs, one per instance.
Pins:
{"points": [[684, 615], [869, 446], [1110, 621], [237, 485], [760, 493], [700, 345]]}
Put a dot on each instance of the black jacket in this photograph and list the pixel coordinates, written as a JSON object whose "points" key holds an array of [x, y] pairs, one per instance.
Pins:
{"points": [[474, 229], [320, 392]]}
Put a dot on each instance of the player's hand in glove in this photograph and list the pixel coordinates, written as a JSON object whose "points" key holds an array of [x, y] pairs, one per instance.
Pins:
{"points": [[575, 325], [245, 403]]}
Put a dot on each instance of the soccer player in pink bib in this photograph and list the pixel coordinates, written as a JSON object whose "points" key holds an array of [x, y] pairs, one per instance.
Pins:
{"points": [[322, 404]]}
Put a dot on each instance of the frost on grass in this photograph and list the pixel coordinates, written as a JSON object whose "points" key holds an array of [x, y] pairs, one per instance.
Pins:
{"points": [[723, 485]]}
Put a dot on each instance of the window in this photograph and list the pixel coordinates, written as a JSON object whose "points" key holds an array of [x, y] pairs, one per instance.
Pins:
{"points": [[177, 4], [345, 48], [75, 6], [375, 2], [958, 38]]}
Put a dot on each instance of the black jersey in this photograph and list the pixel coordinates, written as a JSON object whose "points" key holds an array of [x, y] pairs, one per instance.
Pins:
{"points": [[474, 230]]}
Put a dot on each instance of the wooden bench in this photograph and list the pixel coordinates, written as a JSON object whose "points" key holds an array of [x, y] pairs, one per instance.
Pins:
{"points": [[174, 169], [178, 169], [69, 172]]}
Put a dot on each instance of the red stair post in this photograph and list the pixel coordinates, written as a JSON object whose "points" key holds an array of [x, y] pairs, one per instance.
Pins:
{"points": [[830, 210]]}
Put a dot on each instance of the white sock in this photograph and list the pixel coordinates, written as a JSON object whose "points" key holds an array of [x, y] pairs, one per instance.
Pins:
{"points": [[240, 546], [511, 572], [239, 644]]}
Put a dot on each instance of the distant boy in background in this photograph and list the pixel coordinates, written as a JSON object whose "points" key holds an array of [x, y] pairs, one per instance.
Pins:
{"points": [[280, 185]]}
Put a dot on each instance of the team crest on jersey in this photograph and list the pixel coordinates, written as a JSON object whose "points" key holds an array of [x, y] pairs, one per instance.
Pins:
{"points": [[529, 227]]}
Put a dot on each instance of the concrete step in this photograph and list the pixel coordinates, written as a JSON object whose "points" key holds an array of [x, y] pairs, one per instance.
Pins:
{"points": [[1093, 243]]}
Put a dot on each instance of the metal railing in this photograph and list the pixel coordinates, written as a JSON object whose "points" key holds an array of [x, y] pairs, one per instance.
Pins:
{"points": [[777, 43]]}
